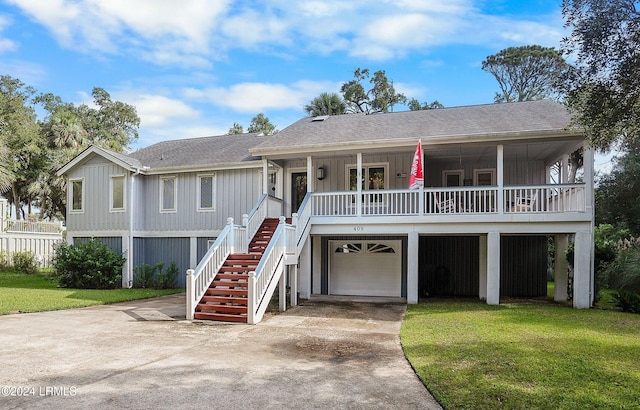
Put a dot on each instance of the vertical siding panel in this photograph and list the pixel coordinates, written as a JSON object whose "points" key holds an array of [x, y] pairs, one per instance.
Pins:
{"points": [[523, 266], [449, 266]]}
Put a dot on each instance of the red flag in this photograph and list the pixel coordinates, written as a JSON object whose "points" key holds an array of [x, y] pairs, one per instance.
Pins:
{"points": [[416, 180]]}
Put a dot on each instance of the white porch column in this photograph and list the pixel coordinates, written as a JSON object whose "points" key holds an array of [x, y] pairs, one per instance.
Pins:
{"points": [[412, 267], [582, 270], [127, 268], [293, 279], [193, 252], [560, 268], [305, 270], [588, 162], [500, 177], [564, 169], [483, 267], [359, 177], [265, 176], [310, 175], [493, 268], [282, 287]]}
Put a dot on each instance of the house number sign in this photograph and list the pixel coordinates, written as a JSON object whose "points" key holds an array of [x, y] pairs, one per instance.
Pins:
{"points": [[358, 228]]}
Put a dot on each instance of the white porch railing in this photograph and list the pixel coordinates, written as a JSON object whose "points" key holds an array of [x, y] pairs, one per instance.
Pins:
{"points": [[450, 200], [263, 281], [232, 239], [23, 226]]}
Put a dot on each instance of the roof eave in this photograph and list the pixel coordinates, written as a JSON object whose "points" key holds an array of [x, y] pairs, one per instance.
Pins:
{"points": [[426, 141], [98, 151]]}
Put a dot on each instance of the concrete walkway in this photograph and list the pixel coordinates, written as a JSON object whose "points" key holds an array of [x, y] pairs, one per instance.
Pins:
{"points": [[144, 355]]}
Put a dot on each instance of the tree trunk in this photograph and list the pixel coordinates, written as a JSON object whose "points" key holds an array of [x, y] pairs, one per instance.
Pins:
{"points": [[16, 198]]}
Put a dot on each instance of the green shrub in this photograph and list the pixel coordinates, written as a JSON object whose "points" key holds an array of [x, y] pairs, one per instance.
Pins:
{"points": [[152, 276], [167, 280], [627, 301], [90, 265], [145, 275], [25, 262], [4, 260]]}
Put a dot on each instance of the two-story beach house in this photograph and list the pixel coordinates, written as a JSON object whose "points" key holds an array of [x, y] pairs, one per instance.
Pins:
{"points": [[495, 193]]}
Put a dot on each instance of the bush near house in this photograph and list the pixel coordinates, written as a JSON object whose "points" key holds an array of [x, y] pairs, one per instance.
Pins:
{"points": [[617, 268], [152, 276], [25, 262], [90, 265]]}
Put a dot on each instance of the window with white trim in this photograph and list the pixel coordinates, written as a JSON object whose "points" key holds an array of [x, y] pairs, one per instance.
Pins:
{"points": [[453, 177], [374, 176], [117, 193], [168, 194], [484, 177], [206, 192], [77, 195]]}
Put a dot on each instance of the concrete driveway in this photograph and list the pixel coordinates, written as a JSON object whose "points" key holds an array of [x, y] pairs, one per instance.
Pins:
{"points": [[144, 355]]}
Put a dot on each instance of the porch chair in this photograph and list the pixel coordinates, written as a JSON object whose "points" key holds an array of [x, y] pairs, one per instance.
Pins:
{"points": [[445, 206], [525, 203]]}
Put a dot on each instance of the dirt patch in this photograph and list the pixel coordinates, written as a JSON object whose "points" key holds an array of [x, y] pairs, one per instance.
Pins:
{"points": [[335, 350]]}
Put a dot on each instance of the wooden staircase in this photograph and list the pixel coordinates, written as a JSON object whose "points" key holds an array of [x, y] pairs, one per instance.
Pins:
{"points": [[226, 299]]}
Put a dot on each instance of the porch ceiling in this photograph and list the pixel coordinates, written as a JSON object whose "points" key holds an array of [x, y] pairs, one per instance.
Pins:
{"points": [[548, 151]]}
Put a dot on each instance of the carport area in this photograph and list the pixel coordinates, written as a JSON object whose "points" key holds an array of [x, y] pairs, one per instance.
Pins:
{"points": [[143, 355]]}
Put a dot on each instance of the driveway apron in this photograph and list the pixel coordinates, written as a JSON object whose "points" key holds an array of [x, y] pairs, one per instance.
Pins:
{"points": [[143, 355]]}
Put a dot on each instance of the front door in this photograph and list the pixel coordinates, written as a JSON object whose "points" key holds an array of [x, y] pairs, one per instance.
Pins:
{"points": [[298, 190]]}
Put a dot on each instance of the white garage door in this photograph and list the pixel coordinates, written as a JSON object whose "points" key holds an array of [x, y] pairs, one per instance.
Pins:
{"points": [[365, 268]]}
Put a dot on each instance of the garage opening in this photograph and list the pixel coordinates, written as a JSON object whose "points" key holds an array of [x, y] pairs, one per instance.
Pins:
{"points": [[523, 266], [448, 266], [364, 266]]}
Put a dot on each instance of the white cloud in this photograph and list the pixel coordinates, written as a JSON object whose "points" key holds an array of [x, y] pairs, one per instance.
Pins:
{"points": [[158, 110], [5, 43], [193, 33], [138, 27], [257, 97]]}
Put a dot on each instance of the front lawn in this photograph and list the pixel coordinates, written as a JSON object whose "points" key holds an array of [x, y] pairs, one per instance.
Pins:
{"points": [[524, 356], [35, 293]]}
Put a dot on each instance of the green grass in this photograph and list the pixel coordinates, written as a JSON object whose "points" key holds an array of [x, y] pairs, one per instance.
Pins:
{"points": [[523, 356], [36, 293]]}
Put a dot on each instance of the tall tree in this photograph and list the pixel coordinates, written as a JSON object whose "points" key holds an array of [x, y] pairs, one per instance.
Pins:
{"points": [[415, 105], [113, 124], [20, 136], [235, 129], [381, 97], [526, 73], [617, 193], [326, 104], [260, 123], [604, 89]]}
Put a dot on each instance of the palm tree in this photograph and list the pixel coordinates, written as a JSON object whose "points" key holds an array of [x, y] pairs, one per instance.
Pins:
{"points": [[326, 104], [6, 174], [67, 130]]}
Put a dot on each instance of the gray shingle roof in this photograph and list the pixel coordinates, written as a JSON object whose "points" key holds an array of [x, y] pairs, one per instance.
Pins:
{"points": [[544, 115], [205, 151]]}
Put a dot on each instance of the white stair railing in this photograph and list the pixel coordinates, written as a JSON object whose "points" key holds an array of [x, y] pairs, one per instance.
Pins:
{"points": [[231, 239], [263, 281], [254, 219]]}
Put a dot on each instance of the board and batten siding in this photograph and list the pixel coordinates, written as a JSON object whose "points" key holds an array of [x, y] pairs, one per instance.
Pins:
{"points": [[166, 250], [336, 170], [112, 242], [236, 192], [521, 172], [96, 215]]}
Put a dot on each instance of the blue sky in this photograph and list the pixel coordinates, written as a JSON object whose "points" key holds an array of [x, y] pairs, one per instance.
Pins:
{"points": [[194, 67]]}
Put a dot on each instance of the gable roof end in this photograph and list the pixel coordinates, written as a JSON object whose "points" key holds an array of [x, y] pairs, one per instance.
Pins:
{"points": [[122, 160]]}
